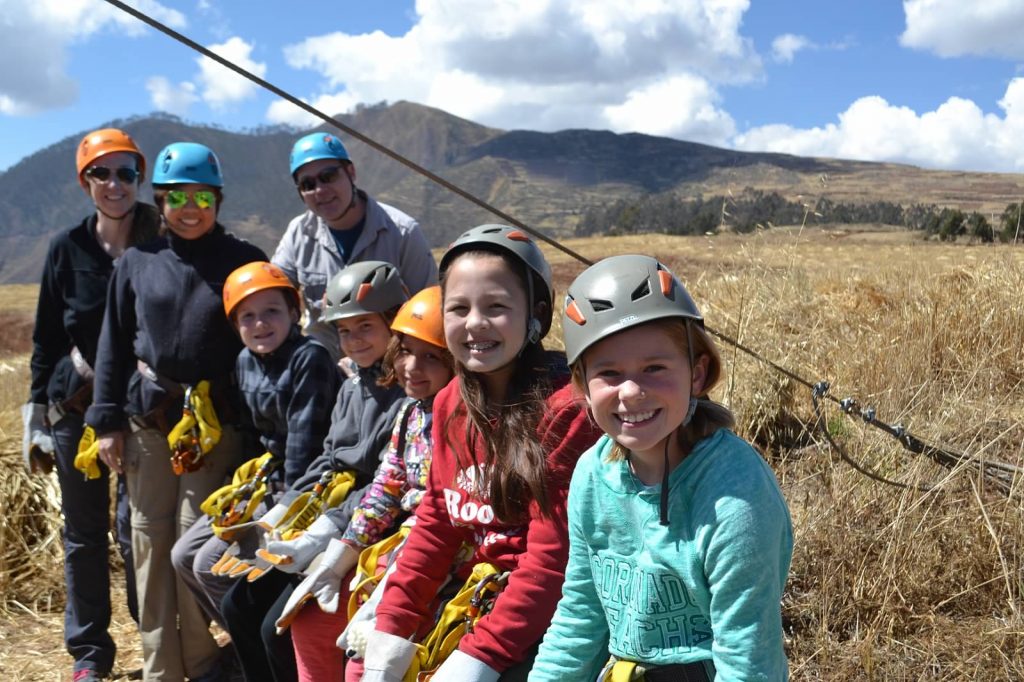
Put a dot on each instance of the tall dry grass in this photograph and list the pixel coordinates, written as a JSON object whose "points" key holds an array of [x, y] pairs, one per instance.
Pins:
{"points": [[886, 583]]}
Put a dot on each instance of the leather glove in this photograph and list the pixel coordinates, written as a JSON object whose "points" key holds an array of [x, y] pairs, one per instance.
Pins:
{"points": [[323, 584], [240, 558], [37, 443], [387, 657], [353, 639], [292, 556], [461, 667]]}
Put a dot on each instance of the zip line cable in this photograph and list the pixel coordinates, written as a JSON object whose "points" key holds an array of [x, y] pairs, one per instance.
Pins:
{"points": [[412, 165], [1000, 474]]}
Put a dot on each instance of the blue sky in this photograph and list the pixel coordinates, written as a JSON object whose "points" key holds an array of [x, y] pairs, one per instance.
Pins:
{"points": [[935, 83]]}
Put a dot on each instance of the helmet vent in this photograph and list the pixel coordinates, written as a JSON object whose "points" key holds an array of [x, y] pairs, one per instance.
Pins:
{"points": [[600, 305], [641, 291]]}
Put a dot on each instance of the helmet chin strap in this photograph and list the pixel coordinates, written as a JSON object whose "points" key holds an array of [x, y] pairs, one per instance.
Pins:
{"points": [[353, 201], [664, 471]]}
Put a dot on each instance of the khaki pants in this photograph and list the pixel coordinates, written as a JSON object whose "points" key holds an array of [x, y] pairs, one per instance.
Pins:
{"points": [[176, 639]]}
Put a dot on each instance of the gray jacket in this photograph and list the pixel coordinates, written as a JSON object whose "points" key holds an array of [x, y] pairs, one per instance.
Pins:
{"points": [[309, 256]]}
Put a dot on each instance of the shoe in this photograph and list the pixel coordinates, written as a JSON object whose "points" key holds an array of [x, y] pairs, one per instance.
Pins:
{"points": [[86, 675]]}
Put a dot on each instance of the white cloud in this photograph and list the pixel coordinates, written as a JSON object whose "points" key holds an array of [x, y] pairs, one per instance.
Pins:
{"points": [[683, 106], [174, 99], [44, 29], [785, 47], [216, 85], [954, 28], [957, 134], [547, 64], [221, 87], [281, 111]]}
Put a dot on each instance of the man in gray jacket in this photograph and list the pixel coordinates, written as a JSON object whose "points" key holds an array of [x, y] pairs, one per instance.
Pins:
{"points": [[343, 225]]}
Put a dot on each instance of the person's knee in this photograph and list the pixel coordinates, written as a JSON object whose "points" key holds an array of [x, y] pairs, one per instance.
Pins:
{"points": [[182, 558]]}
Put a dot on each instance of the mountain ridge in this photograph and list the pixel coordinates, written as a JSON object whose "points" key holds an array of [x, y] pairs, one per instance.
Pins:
{"points": [[544, 179]]}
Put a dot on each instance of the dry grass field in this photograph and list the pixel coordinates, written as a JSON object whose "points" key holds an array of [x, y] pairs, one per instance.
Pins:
{"points": [[887, 583]]}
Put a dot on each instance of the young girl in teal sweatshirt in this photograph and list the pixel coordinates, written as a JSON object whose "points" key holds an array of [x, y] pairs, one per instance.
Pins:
{"points": [[679, 538]]}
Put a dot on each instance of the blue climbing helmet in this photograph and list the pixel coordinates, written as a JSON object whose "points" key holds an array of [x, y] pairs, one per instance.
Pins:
{"points": [[183, 163], [316, 146]]}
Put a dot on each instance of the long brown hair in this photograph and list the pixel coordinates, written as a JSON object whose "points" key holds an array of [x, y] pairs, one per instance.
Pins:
{"points": [[708, 417], [515, 462]]}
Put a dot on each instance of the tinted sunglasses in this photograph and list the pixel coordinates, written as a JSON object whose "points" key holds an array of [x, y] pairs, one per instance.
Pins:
{"points": [[325, 177], [101, 174], [202, 198]]}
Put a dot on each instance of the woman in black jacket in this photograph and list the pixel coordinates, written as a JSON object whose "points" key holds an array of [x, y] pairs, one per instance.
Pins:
{"points": [[72, 296], [164, 332]]}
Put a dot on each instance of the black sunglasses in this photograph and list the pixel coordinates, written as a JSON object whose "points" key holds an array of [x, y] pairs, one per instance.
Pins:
{"points": [[325, 177], [101, 174]]}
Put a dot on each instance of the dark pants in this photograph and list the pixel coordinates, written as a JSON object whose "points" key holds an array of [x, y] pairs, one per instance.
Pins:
{"points": [[85, 505], [251, 609]]}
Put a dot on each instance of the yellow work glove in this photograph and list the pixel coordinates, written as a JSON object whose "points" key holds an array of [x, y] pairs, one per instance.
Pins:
{"points": [[88, 455]]}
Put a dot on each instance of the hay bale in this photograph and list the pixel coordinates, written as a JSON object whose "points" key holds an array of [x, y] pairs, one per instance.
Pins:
{"points": [[31, 554]]}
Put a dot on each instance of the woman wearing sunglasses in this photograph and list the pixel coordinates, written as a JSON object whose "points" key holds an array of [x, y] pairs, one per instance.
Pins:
{"points": [[72, 295], [164, 332]]}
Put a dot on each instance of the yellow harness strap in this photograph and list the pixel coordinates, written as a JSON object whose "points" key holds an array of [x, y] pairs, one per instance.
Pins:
{"points": [[624, 671], [88, 454], [458, 618], [330, 491], [237, 501], [197, 432], [368, 576]]}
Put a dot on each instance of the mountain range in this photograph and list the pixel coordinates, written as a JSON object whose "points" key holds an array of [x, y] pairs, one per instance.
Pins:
{"points": [[547, 180]]}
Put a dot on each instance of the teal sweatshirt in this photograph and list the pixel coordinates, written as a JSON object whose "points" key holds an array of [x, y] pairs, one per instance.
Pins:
{"points": [[706, 587]]}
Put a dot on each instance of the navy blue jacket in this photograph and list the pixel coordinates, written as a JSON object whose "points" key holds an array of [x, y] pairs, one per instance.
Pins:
{"points": [[287, 396], [164, 307], [72, 296]]}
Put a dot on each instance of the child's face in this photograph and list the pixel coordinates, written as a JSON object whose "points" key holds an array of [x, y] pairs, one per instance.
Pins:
{"points": [[639, 385], [485, 314], [264, 320], [364, 338], [420, 368]]}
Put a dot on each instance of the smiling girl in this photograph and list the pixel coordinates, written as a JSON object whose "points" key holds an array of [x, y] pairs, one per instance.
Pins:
{"points": [[507, 433], [680, 540]]}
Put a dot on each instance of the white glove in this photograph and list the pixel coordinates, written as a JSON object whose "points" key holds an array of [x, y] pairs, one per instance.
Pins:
{"points": [[299, 552], [387, 657], [324, 584], [37, 443], [353, 639], [461, 667]]}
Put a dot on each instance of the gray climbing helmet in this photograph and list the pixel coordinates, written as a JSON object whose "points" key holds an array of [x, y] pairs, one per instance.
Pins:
{"points": [[621, 292], [520, 246], [371, 286]]}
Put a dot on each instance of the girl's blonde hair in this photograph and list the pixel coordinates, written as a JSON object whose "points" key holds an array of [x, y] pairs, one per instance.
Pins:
{"points": [[709, 415]]}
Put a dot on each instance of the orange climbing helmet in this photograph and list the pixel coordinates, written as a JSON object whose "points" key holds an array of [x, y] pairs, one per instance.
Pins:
{"points": [[421, 317], [253, 277], [106, 141]]}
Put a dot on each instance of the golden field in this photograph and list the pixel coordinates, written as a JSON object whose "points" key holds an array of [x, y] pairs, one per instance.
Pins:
{"points": [[887, 583]]}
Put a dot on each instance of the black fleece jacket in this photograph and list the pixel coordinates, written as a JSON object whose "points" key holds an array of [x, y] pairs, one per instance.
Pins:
{"points": [[164, 307]]}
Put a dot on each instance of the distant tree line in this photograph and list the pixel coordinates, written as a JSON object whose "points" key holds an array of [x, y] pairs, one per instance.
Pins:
{"points": [[668, 213]]}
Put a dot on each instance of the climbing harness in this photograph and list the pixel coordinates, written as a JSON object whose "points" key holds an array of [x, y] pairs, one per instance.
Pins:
{"points": [[198, 431], [458, 618], [237, 501]]}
